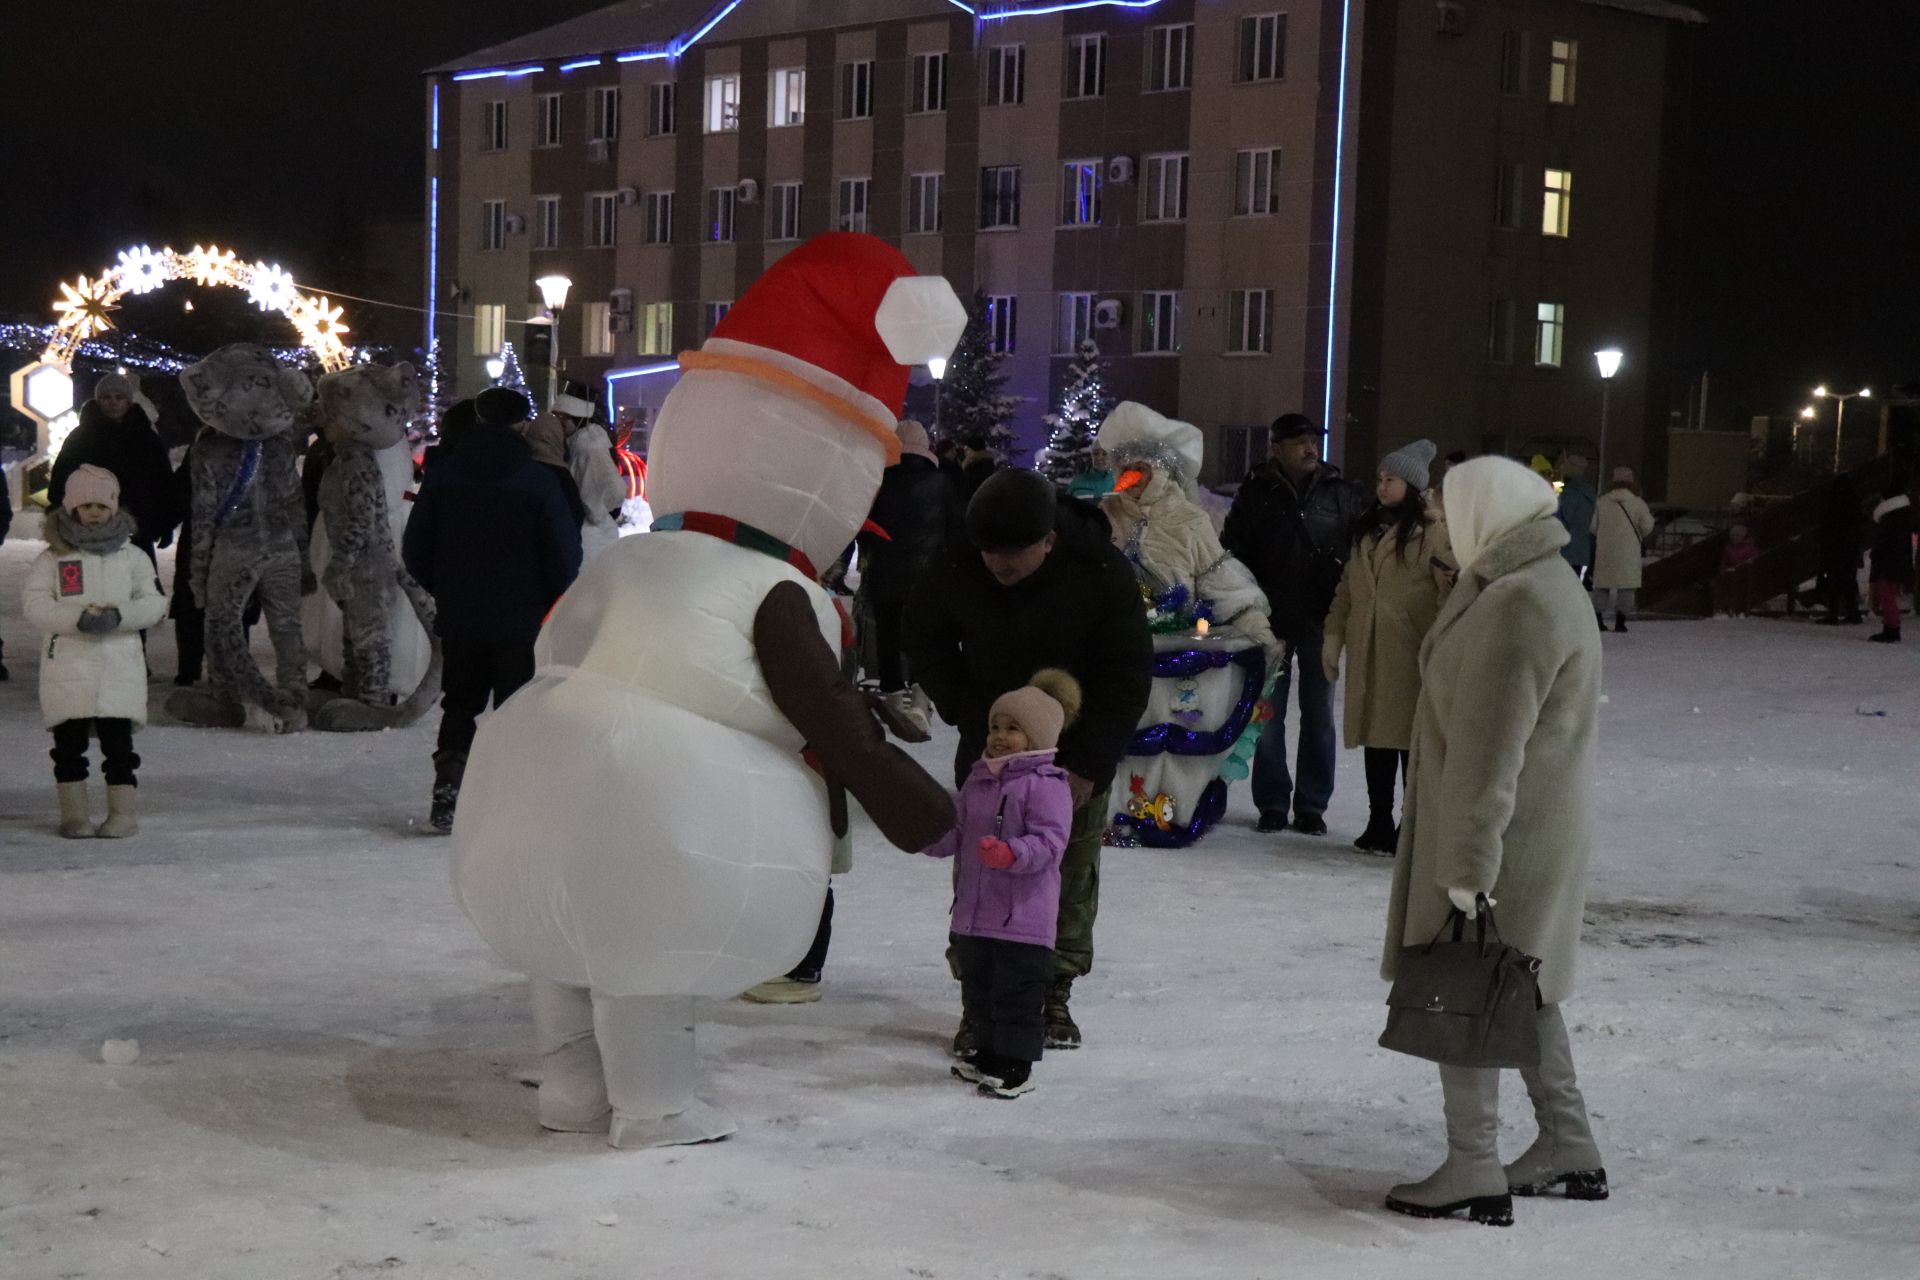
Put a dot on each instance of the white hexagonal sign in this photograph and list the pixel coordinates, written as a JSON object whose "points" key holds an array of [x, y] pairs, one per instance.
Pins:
{"points": [[43, 389]]}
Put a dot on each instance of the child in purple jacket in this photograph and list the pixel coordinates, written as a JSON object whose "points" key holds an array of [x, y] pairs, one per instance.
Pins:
{"points": [[1014, 815]]}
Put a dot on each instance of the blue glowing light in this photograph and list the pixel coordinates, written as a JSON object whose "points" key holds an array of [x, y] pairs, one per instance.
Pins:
{"points": [[682, 45], [584, 62], [433, 255], [1339, 175], [958, 5], [645, 57], [1066, 7], [642, 371], [504, 71], [436, 115]]}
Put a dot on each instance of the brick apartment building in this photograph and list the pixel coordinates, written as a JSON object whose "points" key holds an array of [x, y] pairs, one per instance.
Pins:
{"points": [[1403, 217]]}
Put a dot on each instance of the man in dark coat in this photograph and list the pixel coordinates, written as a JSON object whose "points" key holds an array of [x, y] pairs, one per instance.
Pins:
{"points": [[1292, 524], [913, 514], [493, 540], [1038, 584], [116, 434]]}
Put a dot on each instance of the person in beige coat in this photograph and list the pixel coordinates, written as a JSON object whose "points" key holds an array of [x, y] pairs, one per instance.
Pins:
{"points": [[1622, 523], [1500, 804], [1394, 584]]}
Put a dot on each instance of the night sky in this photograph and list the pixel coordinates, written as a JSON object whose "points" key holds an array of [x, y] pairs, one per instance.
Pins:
{"points": [[278, 126]]}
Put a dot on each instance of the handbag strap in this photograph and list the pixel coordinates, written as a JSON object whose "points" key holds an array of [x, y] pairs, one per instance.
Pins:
{"points": [[1483, 920]]}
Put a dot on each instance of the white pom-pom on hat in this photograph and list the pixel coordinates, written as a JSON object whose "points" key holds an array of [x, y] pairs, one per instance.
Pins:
{"points": [[920, 319]]}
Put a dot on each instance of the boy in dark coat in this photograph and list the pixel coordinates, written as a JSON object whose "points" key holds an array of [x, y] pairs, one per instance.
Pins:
{"points": [[492, 539]]}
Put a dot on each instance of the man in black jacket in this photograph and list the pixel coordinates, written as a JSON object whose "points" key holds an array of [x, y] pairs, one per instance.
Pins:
{"points": [[492, 539], [912, 514], [1040, 584], [1292, 523]]}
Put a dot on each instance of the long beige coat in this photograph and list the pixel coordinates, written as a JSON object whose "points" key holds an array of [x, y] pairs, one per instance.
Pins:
{"points": [[1621, 525], [1387, 601], [1500, 796]]}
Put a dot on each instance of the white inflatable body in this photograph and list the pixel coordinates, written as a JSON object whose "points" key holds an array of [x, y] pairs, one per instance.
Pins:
{"points": [[638, 819], [320, 616]]}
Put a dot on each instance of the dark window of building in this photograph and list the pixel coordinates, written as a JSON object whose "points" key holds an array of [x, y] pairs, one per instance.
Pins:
{"points": [[1003, 312], [549, 135], [1500, 331], [1263, 48], [856, 90], [721, 204], [494, 134], [661, 109], [1000, 197], [659, 217], [1087, 66], [1170, 58], [1513, 63], [1006, 75], [1507, 194], [783, 222], [603, 125], [929, 82], [923, 203]]}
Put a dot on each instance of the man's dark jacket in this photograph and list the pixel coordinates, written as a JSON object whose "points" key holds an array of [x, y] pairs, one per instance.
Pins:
{"points": [[915, 508], [131, 449], [969, 640], [1295, 543], [492, 539]]}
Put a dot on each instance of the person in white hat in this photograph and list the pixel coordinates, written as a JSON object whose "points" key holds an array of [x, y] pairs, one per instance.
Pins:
{"points": [[653, 818], [589, 453]]}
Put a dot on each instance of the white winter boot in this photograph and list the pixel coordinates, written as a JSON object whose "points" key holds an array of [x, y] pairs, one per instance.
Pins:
{"points": [[646, 1045], [1563, 1158], [573, 1088], [123, 813], [74, 822], [1471, 1178]]}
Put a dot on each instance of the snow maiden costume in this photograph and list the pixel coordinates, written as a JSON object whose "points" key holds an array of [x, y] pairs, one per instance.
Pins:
{"points": [[674, 841], [1213, 645]]}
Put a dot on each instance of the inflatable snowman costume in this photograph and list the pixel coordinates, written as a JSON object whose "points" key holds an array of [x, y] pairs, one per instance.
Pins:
{"points": [[651, 819], [1214, 648]]}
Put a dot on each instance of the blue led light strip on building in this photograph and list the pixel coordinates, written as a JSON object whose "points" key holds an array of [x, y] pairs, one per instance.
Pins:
{"points": [[436, 116], [1065, 7], [584, 62], [1339, 175], [504, 71], [433, 255], [643, 371]]}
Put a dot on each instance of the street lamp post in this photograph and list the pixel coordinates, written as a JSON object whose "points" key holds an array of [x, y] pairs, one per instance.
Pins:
{"points": [[1607, 360], [937, 366], [496, 366], [1839, 415], [553, 293]]}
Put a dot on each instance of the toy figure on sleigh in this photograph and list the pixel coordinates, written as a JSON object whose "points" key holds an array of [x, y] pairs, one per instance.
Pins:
{"points": [[1214, 650]]}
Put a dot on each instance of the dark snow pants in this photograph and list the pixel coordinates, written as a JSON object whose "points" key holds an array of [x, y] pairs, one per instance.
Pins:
{"points": [[476, 670], [70, 738], [1003, 988]]}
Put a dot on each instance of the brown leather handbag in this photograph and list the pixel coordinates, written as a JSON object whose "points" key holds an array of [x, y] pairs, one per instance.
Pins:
{"points": [[1465, 1003]]}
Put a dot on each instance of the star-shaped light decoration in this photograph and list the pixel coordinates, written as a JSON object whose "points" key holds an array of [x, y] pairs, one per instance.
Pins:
{"points": [[83, 307], [142, 270], [270, 288], [211, 265], [321, 329]]}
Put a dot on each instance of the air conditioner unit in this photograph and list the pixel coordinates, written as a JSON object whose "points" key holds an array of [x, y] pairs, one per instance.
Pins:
{"points": [[621, 301], [1452, 18], [627, 195], [1107, 313], [1120, 169], [516, 225], [747, 191], [620, 322], [598, 149]]}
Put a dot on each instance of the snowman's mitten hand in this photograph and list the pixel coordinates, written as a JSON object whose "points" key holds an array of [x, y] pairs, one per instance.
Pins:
{"points": [[910, 808]]}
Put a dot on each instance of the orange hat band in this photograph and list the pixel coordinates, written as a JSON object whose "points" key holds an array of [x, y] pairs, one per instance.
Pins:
{"points": [[882, 430]]}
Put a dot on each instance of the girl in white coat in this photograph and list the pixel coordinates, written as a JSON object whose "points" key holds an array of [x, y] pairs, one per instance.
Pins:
{"points": [[92, 593]]}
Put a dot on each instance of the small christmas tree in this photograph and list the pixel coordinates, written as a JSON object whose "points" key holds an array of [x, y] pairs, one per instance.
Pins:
{"points": [[439, 393], [510, 375], [1084, 405], [973, 409]]}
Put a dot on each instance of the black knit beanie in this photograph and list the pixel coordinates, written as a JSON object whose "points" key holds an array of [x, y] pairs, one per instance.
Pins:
{"points": [[1013, 510], [502, 407]]}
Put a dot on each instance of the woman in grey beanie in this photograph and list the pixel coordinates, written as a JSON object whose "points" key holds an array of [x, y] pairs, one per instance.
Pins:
{"points": [[1395, 582]]}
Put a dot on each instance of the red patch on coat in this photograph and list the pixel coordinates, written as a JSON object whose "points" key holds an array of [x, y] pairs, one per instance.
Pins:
{"points": [[73, 578]]}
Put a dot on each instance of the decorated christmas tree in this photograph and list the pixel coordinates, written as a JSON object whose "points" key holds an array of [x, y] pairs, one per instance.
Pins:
{"points": [[510, 375], [1083, 407], [439, 397], [973, 409]]}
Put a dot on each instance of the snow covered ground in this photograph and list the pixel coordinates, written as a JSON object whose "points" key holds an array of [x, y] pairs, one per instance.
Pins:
{"points": [[323, 1088]]}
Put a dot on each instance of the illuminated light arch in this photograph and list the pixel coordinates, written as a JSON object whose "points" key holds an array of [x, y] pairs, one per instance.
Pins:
{"points": [[85, 307]]}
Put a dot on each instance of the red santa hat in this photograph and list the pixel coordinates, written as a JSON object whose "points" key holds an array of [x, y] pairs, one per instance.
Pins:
{"points": [[839, 321]]}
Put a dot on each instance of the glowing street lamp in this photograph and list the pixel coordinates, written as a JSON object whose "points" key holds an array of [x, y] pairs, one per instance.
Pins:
{"points": [[496, 366], [553, 291], [1607, 360], [1839, 415]]}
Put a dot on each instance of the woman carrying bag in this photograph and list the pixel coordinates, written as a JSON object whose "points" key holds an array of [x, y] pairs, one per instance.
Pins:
{"points": [[1622, 523], [1393, 587], [1500, 804]]}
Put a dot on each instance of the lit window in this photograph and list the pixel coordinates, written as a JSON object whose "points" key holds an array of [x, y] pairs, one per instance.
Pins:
{"points": [[1558, 203], [1550, 335], [1165, 189], [489, 329], [549, 135], [1250, 320], [999, 197], [783, 218], [787, 98], [603, 119], [596, 329], [1263, 48], [1560, 74], [1256, 191], [602, 212], [720, 207], [1159, 323], [662, 108], [494, 131], [1080, 184], [493, 224], [856, 90], [546, 222], [1003, 313], [929, 82], [853, 203], [656, 329], [1170, 58], [923, 203], [659, 217], [1006, 75], [723, 104], [1087, 66], [1076, 321]]}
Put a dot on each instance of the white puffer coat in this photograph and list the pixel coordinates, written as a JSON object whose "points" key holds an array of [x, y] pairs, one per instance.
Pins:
{"points": [[84, 675], [602, 490]]}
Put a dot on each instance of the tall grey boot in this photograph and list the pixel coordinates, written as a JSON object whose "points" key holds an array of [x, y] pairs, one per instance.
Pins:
{"points": [[573, 1088], [1471, 1178], [1564, 1156]]}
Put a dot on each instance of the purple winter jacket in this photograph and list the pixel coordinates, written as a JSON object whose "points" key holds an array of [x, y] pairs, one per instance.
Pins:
{"points": [[1029, 805]]}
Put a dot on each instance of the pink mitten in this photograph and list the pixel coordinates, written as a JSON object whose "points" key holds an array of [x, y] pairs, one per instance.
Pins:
{"points": [[994, 853]]}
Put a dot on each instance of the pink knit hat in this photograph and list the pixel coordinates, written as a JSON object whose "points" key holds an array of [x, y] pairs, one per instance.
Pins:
{"points": [[1042, 708], [89, 483]]}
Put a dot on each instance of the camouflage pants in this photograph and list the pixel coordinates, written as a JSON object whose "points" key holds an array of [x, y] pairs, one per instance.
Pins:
{"points": [[1079, 894]]}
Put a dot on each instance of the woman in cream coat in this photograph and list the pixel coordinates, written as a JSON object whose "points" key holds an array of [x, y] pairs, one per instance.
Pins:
{"points": [[1500, 804]]}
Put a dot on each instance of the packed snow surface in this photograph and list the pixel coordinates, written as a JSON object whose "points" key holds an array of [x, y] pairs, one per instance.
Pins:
{"points": [[325, 1080]]}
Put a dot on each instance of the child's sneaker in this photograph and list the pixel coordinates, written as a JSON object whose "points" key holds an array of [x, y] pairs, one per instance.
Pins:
{"points": [[1012, 1079], [983, 1069]]}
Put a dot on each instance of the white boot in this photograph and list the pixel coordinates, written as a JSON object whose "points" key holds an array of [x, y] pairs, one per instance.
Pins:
{"points": [[123, 813], [1564, 1156], [573, 1088], [646, 1046], [74, 822], [1471, 1178]]}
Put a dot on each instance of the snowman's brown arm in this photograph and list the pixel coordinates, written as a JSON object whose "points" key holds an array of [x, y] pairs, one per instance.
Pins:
{"points": [[911, 809]]}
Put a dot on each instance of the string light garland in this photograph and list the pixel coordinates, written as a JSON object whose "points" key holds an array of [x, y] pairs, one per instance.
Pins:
{"points": [[86, 306]]}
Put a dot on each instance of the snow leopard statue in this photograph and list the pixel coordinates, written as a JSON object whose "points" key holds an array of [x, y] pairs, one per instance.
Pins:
{"points": [[364, 412], [249, 533]]}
